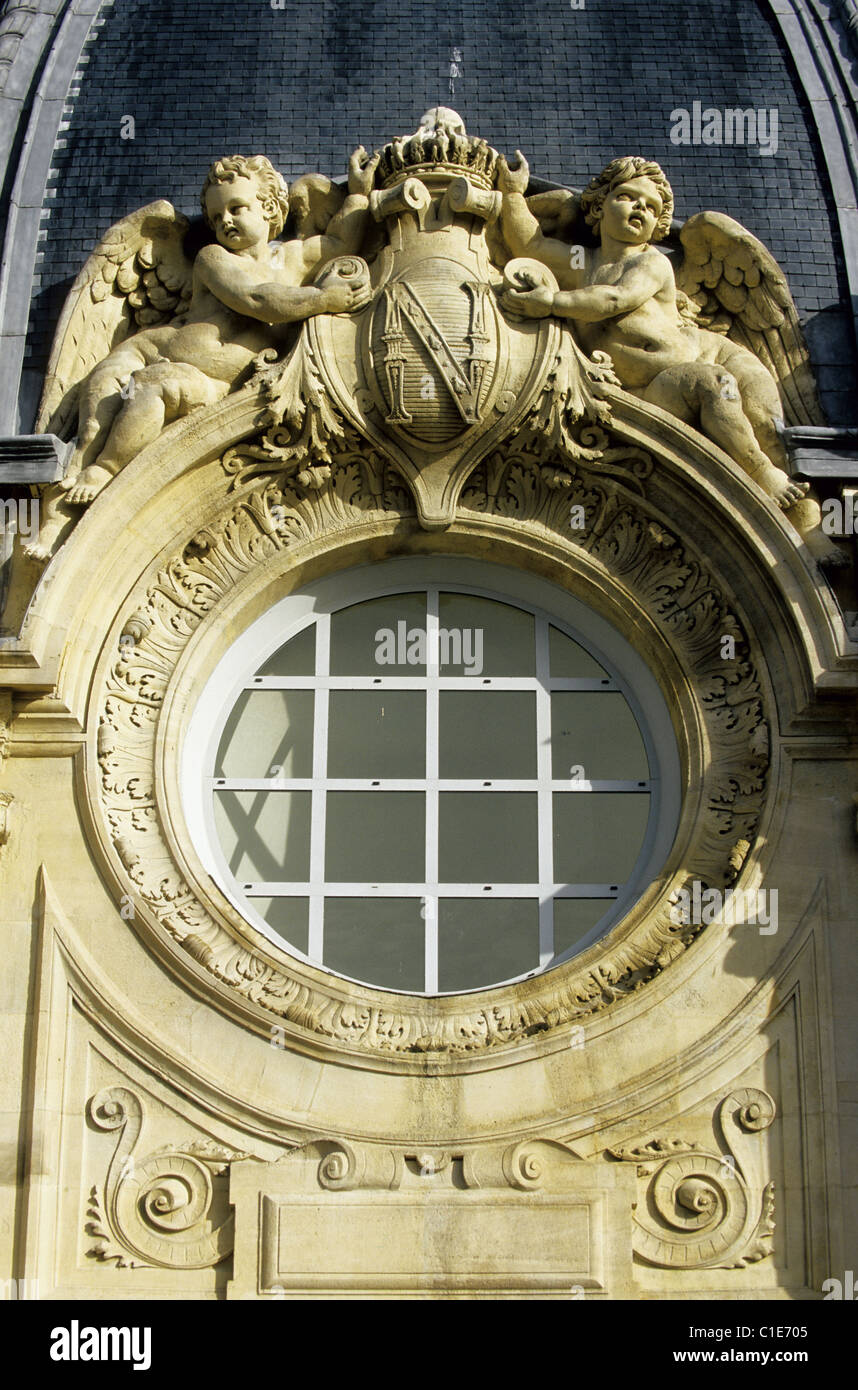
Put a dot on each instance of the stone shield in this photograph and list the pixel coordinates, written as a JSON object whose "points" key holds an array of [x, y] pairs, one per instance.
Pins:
{"points": [[434, 347]]}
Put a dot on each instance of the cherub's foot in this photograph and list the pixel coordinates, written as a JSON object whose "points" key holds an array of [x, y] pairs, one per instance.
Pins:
{"points": [[786, 491], [39, 550], [88, 484]]}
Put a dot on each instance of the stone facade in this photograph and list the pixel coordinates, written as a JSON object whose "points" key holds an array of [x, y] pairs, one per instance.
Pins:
{"points": [[666, 1113]]}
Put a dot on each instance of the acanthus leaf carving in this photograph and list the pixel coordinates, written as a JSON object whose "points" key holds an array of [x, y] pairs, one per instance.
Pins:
{"points": [[272, 514], [301, 426]]}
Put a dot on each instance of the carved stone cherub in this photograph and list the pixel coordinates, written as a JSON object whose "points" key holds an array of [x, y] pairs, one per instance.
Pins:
{"points": [[623, 299], [235, 291]]}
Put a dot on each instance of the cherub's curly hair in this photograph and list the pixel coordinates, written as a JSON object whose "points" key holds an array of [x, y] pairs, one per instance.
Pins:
{"points": [[621, 171], [273, 192]]}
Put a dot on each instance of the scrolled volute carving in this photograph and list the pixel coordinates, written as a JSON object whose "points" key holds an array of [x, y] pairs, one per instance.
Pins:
{"points": [[530, 1164], [341, 1167], [155, 1211], [702, 1210]]}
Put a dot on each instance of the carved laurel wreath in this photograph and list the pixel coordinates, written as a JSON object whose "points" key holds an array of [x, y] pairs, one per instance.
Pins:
{"points": [[277, 513]]}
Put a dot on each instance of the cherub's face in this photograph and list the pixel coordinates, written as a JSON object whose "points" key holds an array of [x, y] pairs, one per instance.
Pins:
{"points": [[235, 212], [631, 211]]}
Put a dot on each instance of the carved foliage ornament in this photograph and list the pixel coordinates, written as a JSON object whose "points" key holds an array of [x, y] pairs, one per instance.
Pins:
{"points": [[272, 518]]}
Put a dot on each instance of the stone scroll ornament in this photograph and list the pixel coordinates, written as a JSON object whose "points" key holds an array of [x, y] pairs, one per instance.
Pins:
{"points": [[156, 1210], [701, 1209]]}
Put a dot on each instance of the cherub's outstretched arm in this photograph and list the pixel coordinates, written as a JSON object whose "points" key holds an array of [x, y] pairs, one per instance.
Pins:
{"points": [[236, 283], [641, 280], [344, 233], [522, 232]]}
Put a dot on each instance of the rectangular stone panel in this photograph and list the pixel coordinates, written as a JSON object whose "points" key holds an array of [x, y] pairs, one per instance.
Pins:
{"points": [[565, 1243]]}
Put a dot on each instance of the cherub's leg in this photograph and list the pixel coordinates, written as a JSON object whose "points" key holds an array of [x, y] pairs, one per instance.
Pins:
{"points": [[710, 393], [760, 399], [160, 393], [140, 420], [100, 402], [762, 402]]}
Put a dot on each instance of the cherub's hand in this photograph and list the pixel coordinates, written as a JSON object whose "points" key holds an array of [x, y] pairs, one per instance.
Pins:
{"points": [[344, 297], [536, 303], [362, 169], [513, 180]]}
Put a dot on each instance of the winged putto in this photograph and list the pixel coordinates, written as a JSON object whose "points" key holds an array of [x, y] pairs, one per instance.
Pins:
{"points": [[200, 325], [624, 298], [149, 335]]}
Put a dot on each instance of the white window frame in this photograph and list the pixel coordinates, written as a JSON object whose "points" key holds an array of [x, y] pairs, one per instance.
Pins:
{"points": [[549, 604]]}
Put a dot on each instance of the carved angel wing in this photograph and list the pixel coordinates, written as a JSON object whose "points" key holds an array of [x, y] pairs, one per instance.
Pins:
{"points": [[741, 291], [558, 212], [313, 200], [138, 275]]}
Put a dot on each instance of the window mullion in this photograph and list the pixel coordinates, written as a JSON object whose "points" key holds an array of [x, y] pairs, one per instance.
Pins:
{"points": [[315, 944], [430, 907], [544, 801]]}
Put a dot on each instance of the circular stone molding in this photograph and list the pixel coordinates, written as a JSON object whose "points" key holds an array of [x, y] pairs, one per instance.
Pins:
{"points": [[644, 579]]}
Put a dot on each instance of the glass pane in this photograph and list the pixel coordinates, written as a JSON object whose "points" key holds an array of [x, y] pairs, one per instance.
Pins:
{"points": [[377, 733], [289, 917], [487, 733], [380, 940], [575, 917], [488, 837], [479, 637], [598, 835], [269, 733], [596, 731], [296, 658], [375, 837], [481, 943], [265, 836], [382, 637], [569, 661]]}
